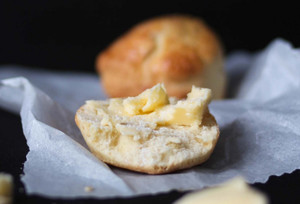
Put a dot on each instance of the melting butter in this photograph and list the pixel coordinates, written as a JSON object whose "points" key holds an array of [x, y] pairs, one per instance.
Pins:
{"points": [[154, 105]]}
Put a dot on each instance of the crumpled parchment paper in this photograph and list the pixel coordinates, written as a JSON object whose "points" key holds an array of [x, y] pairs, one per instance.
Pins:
{"points": [[260, 128]]}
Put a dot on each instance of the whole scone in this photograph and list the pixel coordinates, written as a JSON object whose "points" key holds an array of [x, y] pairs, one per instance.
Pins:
{"points": [[177, 50]]}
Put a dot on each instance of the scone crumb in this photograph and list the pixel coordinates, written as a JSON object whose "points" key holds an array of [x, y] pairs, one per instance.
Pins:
{"points": [[88, 189], [234, 191], [6, 186]]}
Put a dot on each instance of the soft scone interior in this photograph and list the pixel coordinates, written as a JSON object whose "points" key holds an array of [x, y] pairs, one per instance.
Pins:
{"points": [[150, 133]]}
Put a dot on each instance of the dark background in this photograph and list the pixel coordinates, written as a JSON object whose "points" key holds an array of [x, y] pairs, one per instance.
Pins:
{"points": [[67, 35]]}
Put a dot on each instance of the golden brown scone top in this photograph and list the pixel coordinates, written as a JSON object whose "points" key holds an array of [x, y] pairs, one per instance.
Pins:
{"points": [[174, 50]]}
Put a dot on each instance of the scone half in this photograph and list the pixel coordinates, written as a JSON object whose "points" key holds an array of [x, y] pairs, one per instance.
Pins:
{"points": [[142, 142]]}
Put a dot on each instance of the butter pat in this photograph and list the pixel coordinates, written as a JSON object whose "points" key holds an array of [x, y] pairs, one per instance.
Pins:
{"points": [[235, 191], [146, 102], [186, 112], [154, 106]]}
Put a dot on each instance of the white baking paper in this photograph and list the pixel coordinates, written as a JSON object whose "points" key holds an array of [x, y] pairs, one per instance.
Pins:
{"points": [[260, 128]]}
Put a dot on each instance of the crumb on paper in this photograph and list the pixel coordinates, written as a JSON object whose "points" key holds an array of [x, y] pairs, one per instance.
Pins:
{"points": [[88, 189], [6, 186], [235, 191]]}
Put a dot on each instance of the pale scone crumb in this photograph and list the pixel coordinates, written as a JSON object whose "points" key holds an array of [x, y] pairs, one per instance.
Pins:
{"points": [[88, 189]]}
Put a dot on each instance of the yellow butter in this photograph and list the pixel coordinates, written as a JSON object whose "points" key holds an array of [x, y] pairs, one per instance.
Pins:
{"points": [[186, 112], [235, 191], [148, 101], [154, 105]]}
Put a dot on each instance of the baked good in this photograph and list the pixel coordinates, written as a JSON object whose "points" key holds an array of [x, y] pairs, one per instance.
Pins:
{"points": [[177, 50], [6, 188], [235, 191], [151, 132]]}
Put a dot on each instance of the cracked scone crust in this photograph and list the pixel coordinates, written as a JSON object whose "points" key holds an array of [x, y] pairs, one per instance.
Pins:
{"points": [[177, 50], [139, 145]]}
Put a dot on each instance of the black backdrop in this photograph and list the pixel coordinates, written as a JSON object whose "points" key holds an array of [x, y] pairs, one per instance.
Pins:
{"points": [[67, 35]]}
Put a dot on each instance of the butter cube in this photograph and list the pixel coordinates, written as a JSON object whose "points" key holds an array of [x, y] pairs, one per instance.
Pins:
{"points": [[189, 111], [148, 101]]}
